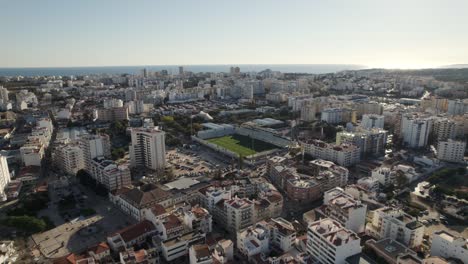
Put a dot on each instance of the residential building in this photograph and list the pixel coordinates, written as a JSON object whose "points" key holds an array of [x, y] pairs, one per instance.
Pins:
{"points": [[99, 252], [343, 154], [4, 177], [396, 224], [94, 146], [69, 158], [8, 252], [363, 108], [179, 246], [143, 256], [32, 153], [384, 175], [239, 214], [112, 103], [328, 242], [342, 207], [198, 218], [131, 236], [390, 250], [370, 142], [112, 114], [372, 121], [223, 252], [148, 148], [109, 174], [448, 128], [451, 150], [4, 94], [338, 115], [457, 106], [302, 188], [448, 246], [415, 130], [254, 240], [308, 112], [328, 174], [200, 254], [133, 201]]}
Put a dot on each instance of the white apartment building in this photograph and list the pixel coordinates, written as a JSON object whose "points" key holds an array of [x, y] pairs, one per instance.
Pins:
{"points": [[112, 102], [385, 175], [4, 176], [239, 214], [343, 154], [200, 254], [370, 142], [396, 224], [372, 121], [213, 196], [370, 184], [328, 174], [69, 158], [112, 114], [451, 150], [94, 146], [276, 234], [136, 201], [179, 246], [110, 175], [308, 112], [148, 148], [457, 106], [342, 207], [328, 242], [198, 218], [447, 246], [223, 251], [415, 130], [254, 240], [363, 108], [4, 94], [447, 128], [33, 150], [338, 115], [32, 153]]}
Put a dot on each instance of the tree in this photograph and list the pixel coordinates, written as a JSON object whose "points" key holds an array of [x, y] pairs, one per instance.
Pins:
{"points": [[118, 153], [401, 180], [168, 119], [27, 224]]}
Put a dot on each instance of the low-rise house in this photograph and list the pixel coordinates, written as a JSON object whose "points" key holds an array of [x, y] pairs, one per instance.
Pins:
{"points": [[177, 247], [130, 236], [133, 201]]}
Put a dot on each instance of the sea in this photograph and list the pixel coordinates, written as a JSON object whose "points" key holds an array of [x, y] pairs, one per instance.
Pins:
{"points": [[174, 69]]}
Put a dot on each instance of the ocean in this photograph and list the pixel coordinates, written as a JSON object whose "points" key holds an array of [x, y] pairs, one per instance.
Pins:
{"points": [[174, 69]]}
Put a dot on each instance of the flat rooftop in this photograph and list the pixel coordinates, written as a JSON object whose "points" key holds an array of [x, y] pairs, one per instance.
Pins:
{"points": [[181, 183]]}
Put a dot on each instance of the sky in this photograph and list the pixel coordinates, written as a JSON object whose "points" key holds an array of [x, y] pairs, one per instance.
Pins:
{"points": [[375, 33]]}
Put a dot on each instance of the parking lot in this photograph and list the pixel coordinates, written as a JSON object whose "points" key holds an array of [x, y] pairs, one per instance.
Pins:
{"points": [[75, 233], [434, 221], [193, 163]]}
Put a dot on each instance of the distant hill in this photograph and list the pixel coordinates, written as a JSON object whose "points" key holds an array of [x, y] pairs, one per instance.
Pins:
{"points": [[455, 66]]}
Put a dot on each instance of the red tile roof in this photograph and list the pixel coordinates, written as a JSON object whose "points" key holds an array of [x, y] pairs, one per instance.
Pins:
{"points": [[132, 232], [99, 248]]}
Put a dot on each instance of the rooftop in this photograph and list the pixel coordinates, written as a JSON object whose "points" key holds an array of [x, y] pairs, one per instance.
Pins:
{"points": [[134, 231], [333, 232], [181, 183]]}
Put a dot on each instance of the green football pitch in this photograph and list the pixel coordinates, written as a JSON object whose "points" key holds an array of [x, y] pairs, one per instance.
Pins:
{"points": [[242, 145]]}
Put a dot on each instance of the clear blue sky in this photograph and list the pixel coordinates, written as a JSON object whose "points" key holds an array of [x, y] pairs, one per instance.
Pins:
{"points": [[388, 33]]}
